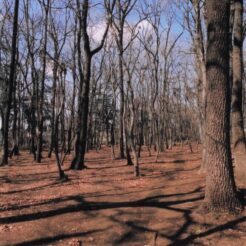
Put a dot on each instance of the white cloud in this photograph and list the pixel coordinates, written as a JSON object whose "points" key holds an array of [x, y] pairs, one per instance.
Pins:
{"points": [[96, 32], [49, 68], [144, 27]]}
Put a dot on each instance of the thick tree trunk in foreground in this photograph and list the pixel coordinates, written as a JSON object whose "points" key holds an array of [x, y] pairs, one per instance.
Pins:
{"points": [[238, 136], [220, 192], [10, 85]]}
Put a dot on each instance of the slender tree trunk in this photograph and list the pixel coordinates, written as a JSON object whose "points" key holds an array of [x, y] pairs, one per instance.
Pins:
{"points": [[112, 140], [52, 137], [15, 146], [41, 98], [201, 66], [57, 119], [34, 107], [71, 122], [33, 119], [220, 192], [10, 85], [122, 102], [128, 155], [131, 128]]}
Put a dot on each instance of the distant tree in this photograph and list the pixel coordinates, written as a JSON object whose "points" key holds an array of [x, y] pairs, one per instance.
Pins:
{"points": [[33, 48], [123, 9], [194, 18], [130, 107], [220, 192], [59, 39]]}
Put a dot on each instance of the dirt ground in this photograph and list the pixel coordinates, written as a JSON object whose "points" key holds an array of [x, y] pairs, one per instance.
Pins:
{"points": [[106, 205]]}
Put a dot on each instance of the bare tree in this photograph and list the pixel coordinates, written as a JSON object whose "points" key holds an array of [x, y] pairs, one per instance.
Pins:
{"points": [[194, 23], [40, 113], [84, 77], [123, 9], [130, 66], [59, 40]]}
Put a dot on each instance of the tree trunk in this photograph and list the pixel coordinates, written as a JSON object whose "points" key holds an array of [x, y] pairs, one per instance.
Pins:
{"points": [[121, 119], [80, 146], [128, 155], [10, 85], [220, 192], [15, 146], [238, 135], [85, 77], [52, 137], [131, 128], [201, 66], [71, 122], [41, 98]]}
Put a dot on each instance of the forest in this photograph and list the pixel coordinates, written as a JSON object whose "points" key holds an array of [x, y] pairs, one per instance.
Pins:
{"points": [[122, 122]]}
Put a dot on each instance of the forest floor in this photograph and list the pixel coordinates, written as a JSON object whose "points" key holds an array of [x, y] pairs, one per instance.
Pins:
{"points": [[106, 205]]}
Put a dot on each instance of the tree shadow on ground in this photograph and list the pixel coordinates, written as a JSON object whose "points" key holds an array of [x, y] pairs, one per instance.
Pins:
{"points": [[191, 238], [32, 189], [92, 195], [46, 240], [82, 205], [134, 228], [159, 201], [105, 167]]}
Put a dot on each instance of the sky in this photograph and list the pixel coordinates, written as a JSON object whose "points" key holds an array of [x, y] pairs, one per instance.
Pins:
{"points": [[97, 23]]}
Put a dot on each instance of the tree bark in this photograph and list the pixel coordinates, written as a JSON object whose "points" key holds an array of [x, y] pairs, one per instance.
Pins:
{"points": [[220, 192]]}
